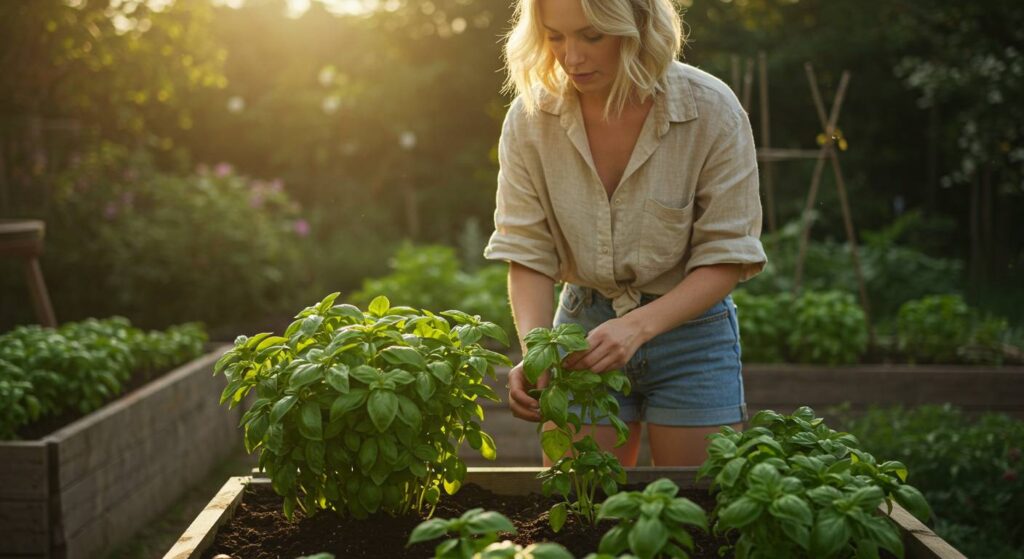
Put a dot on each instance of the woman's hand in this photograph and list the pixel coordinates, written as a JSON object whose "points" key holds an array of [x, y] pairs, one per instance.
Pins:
{"points": [[520, 402], [612, 345]]}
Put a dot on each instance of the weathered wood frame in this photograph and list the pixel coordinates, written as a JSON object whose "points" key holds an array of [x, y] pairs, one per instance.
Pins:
{"points": [[84, 489], [918, 540]]}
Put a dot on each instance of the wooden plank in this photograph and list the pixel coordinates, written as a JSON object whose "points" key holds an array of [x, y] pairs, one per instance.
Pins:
{"points": [[23, 471], [86, 444], [24, 528], [124, 472], [200, 534], [919, 541], [519, 480], [24, 499], [104, 510], [189, 448]]}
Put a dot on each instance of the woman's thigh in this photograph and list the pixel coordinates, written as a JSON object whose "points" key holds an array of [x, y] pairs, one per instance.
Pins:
{"points": [[680, 446]]}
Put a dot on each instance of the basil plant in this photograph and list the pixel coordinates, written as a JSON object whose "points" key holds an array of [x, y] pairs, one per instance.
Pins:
{"points": [[570, 400], [361, 412], [792, 487]]}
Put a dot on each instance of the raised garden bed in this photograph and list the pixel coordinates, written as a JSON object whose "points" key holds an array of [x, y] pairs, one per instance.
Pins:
{"points": [[83, 489], [197, 542], [785, 387]]}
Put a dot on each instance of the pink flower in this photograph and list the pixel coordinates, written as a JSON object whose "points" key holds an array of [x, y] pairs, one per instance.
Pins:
{"points": [[256, 200], [277, 185], [301, 227], [110, 211], [222, 170]]}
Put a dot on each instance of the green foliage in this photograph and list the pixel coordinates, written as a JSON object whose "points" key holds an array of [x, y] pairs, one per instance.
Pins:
{"points": [[580, 467], [828, 327], [816, 327], [431, 277], [793, 487], [476, 534], [931, 329], [77, 368], [894, 272], [361, 412], [764, 325], [943, 329], [651, 522], [213, 246], [969, 469], [126, 71]]}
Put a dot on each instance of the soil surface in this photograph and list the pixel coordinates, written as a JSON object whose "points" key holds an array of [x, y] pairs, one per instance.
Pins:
{"points": [[260, 531]]}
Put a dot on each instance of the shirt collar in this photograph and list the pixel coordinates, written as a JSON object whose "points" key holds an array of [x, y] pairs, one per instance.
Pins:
{"points": [[675, 97]]}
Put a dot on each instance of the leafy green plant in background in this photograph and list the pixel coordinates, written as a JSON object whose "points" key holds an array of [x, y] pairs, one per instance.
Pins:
{"points": [[791, 486], [968, 468], [45, 372], [828, 327], [944, 329], [932, 328], [361, 412], [764, 325], [432, 277], [816, 327], [652, 522], [570, 400], [894, 272]]}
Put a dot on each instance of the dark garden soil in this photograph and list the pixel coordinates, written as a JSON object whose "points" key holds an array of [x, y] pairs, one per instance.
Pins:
{"points": [[43, 427], [260, 531]]}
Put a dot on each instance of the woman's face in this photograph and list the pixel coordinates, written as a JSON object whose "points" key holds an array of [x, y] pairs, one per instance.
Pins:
{"points": [[589, 57]]}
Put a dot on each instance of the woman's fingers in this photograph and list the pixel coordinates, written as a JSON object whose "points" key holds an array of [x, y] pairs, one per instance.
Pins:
{"points": [[520, 402]]}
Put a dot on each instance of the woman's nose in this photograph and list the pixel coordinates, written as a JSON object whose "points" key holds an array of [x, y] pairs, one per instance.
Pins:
{"points": [[573, 54]]}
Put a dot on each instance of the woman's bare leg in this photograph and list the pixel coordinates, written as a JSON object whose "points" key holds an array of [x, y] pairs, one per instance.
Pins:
{"points": [[680, 446]]}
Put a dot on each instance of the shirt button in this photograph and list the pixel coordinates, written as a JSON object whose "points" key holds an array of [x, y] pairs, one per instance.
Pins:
{"points": [[604, 250], [618, 201]]}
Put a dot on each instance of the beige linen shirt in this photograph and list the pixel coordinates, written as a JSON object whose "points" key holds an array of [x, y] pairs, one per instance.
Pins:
{"points": [[688, 197]]}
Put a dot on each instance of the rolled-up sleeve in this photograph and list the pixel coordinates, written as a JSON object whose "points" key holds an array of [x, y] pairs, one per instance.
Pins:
{"points": [[521, 230], [727, 218]]}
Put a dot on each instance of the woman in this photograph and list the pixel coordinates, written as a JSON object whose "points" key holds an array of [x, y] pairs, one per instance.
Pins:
{"points": [[632, 178]]}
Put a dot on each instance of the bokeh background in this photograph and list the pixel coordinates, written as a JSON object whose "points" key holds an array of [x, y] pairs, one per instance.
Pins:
{"points": [[231, 161]]}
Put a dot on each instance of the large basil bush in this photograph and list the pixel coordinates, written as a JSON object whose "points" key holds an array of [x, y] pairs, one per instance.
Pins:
{"points": [[792, 487], [361, 412]]}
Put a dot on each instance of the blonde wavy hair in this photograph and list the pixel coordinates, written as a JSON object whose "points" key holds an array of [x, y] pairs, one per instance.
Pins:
{"points": [[652, 37]]}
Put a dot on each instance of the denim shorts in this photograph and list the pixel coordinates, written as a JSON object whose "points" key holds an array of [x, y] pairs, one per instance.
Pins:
{"points": [[689, 376]]}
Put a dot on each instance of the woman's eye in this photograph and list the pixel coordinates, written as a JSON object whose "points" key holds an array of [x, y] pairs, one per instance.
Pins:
{"points": [[594, 38], [554, 39]]}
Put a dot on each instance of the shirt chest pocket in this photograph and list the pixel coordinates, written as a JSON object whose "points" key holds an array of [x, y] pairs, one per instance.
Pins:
{"points": [[664, 237]]}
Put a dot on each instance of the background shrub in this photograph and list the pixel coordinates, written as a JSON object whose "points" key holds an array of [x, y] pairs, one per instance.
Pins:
{"points": [[432, 277], [763, 325], [931, 329], [212, 246], [828, 327]]}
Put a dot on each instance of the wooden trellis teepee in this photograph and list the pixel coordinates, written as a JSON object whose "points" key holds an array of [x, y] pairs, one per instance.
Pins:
{"points": [[830, 142]]}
